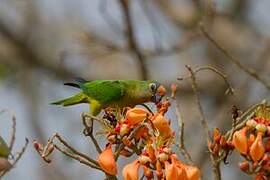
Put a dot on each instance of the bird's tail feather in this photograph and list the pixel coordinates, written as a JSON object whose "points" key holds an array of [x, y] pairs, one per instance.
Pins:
{"points": [[76, 99]]}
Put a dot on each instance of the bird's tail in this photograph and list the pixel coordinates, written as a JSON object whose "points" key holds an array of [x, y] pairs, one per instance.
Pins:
{"points": [[76, 99]]}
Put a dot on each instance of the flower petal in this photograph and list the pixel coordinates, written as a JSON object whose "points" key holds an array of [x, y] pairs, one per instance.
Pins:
{"points": [[131, 171], [106, 161], [257, 149], [136, 115], [240, 141]]}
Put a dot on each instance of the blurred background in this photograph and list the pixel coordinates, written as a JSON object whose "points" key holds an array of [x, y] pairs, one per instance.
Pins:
{"points": [[45, 43]]}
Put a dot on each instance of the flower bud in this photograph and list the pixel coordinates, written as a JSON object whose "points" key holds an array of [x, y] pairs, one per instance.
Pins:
{"points": [[163, 157], [223, 142], [216, 149], [261, 128], [251, 123], [124, 129], [167, 150], [143, 159], [38, 146], [244, 166], [216, 135]]}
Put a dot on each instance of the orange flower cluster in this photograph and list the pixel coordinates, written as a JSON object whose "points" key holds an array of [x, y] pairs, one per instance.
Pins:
{"points": [[253, 142], [220, 144], [150, 137]]}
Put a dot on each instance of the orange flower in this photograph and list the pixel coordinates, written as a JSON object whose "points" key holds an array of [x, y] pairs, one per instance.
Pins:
{"points": [[171, 171], [175, 171], [131, 171], [162, 125], [106, 161], [190, 172], [257, 149], [193, 173], [240, 140], [136, 115]]}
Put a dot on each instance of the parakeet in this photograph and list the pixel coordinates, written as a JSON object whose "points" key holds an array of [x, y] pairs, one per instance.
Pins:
{"points": [[101, 94], [4, 150]]}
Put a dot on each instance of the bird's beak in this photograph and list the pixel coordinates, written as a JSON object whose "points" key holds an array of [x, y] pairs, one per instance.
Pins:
{"points": [[157, 97]]}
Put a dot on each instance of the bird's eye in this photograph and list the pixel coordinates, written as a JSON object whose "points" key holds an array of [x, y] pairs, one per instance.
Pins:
{"points": [[152, 87]]}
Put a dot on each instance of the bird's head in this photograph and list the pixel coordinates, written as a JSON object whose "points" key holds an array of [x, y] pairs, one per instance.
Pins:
{"points": [[157, 91]]}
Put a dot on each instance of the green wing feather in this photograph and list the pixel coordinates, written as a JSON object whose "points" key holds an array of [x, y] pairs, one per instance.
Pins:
{"points": [[104, 91], [76, 99]]}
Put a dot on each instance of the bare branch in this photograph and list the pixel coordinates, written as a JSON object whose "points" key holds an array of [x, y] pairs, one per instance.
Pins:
{"points": [[234, 60], [88, 131], [215, 164], [78, 158], [132, 42], [223, 76]]}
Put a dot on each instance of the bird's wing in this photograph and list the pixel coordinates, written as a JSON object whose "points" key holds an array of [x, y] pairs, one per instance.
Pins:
{"points": [[104, 91]]}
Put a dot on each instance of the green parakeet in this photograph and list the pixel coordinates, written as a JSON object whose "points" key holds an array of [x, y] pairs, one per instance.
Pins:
{"points": [[4, 150], [101, 94]]}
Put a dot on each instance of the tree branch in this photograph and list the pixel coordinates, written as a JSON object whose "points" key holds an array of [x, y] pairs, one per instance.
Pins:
{"points": [[234, 60], [131, 37]]}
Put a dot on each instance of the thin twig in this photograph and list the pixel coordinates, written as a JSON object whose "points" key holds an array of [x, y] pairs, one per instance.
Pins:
{"points": [[215, 164], [78, 158], [181, 125], [234, 60], [74, 150], [88, 131], [213, 69]]}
